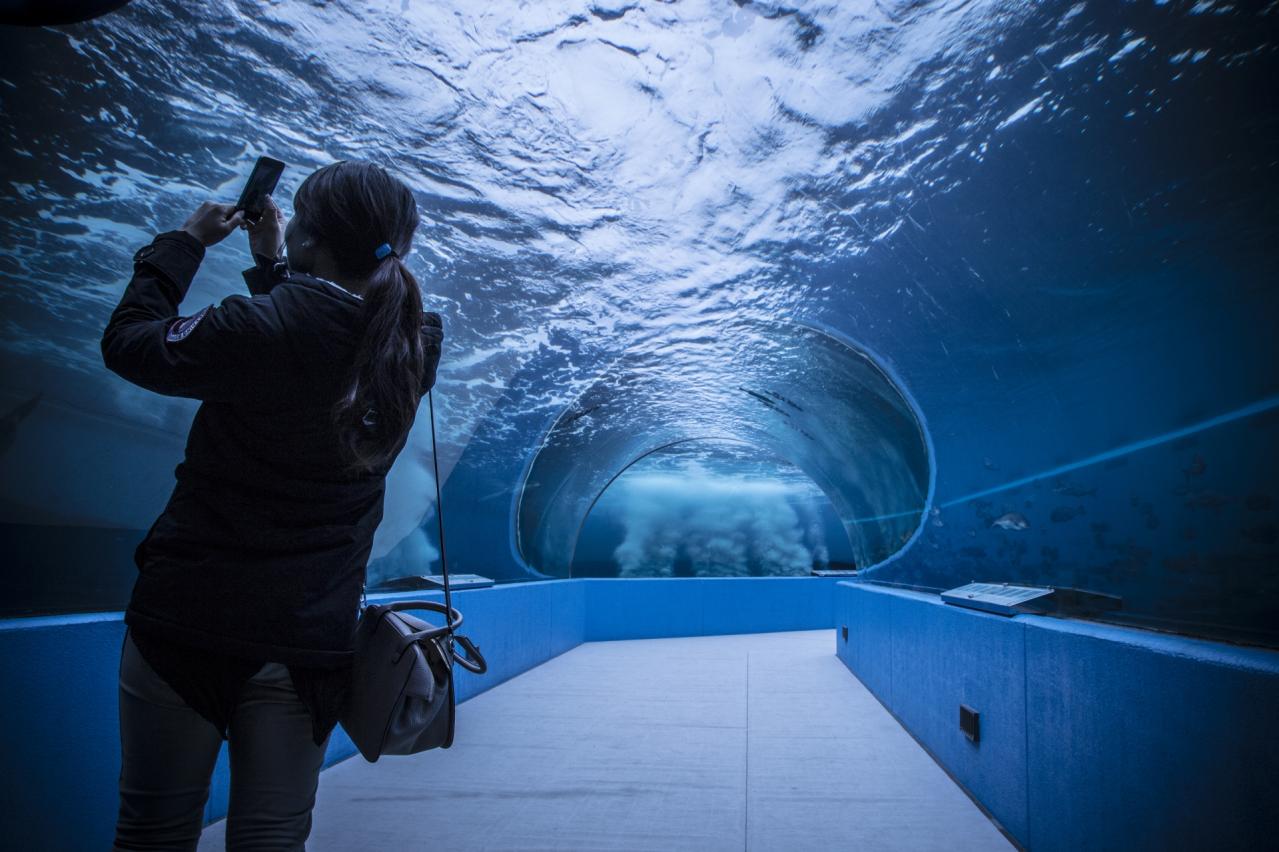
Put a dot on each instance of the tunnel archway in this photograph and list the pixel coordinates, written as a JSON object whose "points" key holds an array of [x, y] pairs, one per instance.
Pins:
{"points": [[709, 506], [817, 400]]}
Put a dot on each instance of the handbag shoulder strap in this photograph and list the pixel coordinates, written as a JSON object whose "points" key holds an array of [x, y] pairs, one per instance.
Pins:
{"points": [[439, 514]]}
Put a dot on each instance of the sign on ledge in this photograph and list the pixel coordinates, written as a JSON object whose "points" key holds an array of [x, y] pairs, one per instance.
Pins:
{"points": [[457, 581], [1000, 598]]}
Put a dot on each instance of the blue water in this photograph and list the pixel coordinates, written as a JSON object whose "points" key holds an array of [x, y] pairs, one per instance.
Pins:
{"points": [[728, 289]]}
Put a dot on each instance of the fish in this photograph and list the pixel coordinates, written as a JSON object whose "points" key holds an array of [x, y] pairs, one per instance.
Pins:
{"points": [[1011, 521], [1065, 513], [1262, 534], [777, 395], [988, 464], [935, 514], [763, 399], [1257, 502], [1196, 468], [9, 423], [582, 413], [1067, 490], [1206, 500]]}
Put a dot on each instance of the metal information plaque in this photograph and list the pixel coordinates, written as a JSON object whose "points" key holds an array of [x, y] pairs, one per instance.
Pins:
{"points": [[999, 598]]}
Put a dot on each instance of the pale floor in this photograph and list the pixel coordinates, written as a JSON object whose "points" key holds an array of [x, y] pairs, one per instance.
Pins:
{"points": [[759, 742]]}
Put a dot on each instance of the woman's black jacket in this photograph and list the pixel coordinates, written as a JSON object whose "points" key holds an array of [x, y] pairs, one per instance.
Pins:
{"points": [[261, 550]]}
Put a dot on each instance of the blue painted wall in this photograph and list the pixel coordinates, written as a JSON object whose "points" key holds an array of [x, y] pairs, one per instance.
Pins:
{"points": [[1092, 736], [59, 721], [645, 608], [61, 746]]}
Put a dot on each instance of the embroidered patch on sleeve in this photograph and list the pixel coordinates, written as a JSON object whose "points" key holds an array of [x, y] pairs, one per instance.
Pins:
{"points": [[183, 326]]}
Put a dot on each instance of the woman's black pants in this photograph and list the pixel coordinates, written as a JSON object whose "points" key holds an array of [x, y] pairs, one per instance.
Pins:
{"points": [[168, 752]]}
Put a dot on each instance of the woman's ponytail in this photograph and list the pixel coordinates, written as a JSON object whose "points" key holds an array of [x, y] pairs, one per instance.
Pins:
{"points": [[366, 219], [379, 407]]}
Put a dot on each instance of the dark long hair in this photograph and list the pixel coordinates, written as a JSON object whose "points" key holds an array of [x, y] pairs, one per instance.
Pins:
{"points": [[353, 208]]}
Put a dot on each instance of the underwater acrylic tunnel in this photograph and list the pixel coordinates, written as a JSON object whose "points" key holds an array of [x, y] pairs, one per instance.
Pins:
{"points": [[794, 392], [973, 226], [950, 291]]}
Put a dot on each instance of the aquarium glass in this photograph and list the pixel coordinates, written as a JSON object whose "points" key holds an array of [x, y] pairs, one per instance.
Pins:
{"points": [[986, 287]]}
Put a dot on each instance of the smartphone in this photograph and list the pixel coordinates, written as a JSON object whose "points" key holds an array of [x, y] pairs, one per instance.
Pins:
{"points": [[261, 183]]}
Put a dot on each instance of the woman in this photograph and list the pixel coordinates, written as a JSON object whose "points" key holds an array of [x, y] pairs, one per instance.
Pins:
{"points": [[241, 621]]}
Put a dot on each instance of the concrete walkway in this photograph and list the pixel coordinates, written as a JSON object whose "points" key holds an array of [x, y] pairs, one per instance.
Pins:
{"points": [[761, 742]]}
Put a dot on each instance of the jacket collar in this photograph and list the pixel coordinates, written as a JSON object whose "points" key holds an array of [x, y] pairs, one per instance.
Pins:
{"points": [[331, 286]]}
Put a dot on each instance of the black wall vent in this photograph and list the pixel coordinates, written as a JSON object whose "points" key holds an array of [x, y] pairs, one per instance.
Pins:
{"points": [[970, 722]]}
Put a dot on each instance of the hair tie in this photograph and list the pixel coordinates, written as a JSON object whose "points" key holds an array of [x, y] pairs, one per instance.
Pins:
{"points": [[383, 250]]}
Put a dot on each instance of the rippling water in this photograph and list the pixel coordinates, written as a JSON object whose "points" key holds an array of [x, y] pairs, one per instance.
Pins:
{"points": [[1050, 227]]}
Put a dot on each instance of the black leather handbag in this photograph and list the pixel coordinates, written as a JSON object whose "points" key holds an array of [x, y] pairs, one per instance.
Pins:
{"points": [[402, 699]]}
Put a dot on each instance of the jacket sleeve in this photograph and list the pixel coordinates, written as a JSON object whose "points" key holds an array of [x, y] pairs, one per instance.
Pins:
{"points": [[432, 337], [266, 272], [231, 351]]}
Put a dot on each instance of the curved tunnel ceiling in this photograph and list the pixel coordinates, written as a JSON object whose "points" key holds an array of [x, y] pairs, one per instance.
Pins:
{"points": [[1045, 214], [795, 391]]}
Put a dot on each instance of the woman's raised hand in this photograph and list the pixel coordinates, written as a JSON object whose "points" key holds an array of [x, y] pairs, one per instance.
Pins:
{"points": [[211, 223], [266, 235]]}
